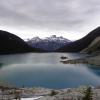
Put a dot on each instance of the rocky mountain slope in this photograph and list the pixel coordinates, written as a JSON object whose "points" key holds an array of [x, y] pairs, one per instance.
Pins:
{"points": [[81, 44], [93, 47], [49, 43], [10, 43]]}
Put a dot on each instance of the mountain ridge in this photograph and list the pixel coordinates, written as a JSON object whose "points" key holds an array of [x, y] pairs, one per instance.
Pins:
{"points": [[82, 43], [49, 43], [10, 43]]}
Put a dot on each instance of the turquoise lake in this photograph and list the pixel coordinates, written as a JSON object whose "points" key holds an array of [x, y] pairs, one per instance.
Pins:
{"points": [[46, 70]]}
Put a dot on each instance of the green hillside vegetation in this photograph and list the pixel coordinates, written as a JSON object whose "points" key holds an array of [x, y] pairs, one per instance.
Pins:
{"points": [[94, 48]]}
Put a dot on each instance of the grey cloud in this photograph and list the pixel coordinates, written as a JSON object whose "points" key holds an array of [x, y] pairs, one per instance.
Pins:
{"points": [[66, 15]]}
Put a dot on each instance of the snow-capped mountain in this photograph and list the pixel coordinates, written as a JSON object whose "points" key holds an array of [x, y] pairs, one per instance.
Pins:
{"points": [[33, 40], [49, 43]]}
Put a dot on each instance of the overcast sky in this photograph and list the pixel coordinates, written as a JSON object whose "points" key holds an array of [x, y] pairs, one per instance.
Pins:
{"points": [[69, 18]]}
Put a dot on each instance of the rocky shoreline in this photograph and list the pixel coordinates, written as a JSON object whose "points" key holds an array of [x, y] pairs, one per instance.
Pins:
{"points": [[75, 61], [93, 60], [11, 93]]}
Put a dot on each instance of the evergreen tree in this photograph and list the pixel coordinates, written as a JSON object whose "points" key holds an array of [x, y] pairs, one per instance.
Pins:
{"points": [[88, 94]]}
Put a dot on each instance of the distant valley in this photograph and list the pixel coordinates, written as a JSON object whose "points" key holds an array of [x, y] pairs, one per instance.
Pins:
{"points": [[10, 43]]}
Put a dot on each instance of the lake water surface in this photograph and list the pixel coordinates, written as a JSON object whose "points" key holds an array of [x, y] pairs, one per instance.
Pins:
{"points": [[45, 70]]}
